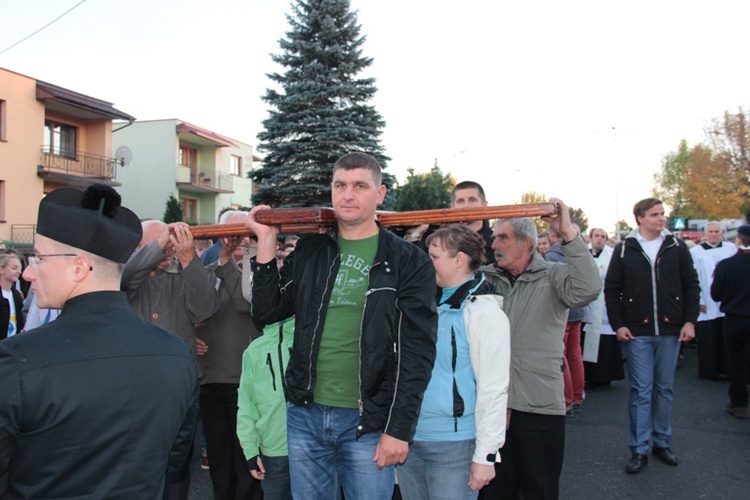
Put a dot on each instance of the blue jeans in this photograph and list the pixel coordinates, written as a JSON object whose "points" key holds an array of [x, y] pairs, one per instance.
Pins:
{"points": [[437, 470], [324, 453], [652, 361], [276, 484]]}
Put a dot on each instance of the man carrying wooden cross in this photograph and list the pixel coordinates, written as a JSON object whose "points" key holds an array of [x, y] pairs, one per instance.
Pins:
{"points": [[364, 340]]}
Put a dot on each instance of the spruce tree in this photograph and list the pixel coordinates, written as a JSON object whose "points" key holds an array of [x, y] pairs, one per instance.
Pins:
{"points": [[321, 111], [173, 210]]}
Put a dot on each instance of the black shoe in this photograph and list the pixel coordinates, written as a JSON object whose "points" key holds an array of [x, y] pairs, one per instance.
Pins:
{"points": [[665, 455], [737, 411], [637, 463]]}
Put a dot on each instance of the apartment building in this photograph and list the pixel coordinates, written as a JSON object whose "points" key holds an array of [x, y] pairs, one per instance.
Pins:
{"points": [[50, 137], [205, 171]]}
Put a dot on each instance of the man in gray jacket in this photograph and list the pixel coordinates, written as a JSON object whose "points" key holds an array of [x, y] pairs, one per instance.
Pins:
{"points": [[167, 286], [537, 295], [226, 335]]}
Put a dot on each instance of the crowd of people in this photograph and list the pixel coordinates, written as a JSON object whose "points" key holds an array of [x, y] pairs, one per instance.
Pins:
{"points": [[337, 365]]}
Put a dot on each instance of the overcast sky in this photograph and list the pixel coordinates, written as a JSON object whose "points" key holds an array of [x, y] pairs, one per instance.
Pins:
{"points": [[579, 99]]}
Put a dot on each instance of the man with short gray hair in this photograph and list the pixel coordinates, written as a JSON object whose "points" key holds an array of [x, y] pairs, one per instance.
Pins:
{"points": [[167, 286], [537, 296], [226, 335]]}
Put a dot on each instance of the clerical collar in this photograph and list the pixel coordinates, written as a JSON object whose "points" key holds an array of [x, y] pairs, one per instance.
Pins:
{"points": [[596, 254], [707, 246]]}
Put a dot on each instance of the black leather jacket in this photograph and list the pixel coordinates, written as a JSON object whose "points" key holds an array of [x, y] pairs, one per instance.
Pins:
{"points": [[398, 330]]}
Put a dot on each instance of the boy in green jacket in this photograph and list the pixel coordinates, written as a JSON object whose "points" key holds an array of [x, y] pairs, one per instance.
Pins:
{"points": [[261, 418]]}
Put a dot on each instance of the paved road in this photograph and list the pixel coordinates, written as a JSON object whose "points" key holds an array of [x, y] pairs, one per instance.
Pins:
{"points": [[713, 447]]}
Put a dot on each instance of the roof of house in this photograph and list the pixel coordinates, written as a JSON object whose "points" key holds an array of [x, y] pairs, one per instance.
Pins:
{"points": [[67, 101]]}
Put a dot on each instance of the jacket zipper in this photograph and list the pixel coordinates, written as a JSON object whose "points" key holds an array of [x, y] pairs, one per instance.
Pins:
{"points": [[360, 404], [396, 351], [279, 347], [654, 293], [269, 362], [654, 281], [318, 326]]}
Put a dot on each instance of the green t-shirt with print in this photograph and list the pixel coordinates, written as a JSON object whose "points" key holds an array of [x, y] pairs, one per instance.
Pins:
{"points": [[337, 382]]}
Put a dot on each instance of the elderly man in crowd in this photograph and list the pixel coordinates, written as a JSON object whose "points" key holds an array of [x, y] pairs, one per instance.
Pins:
{"points": [[537, 295], [175, 295], [226, 335]]}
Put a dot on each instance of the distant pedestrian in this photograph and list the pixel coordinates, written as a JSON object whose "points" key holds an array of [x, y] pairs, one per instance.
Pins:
{"points": [[602, 355], [731, 287], [573, 373], [709, 331]]}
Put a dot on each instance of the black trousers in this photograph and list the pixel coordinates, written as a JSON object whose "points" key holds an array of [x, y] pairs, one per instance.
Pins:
{"points": [[532, 459], [177, 484], [737, 333], [712, 356], [229, 475]]}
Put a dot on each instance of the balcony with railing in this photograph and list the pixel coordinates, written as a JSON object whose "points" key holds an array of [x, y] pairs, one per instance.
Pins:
{"points": [[202, 180], [21, 236], [77, 167]]}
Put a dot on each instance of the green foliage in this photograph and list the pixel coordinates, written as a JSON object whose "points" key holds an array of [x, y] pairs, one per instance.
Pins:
{"points": [[425, 191], [578, 217], [534, 197], [671, 181], [173, 211], [623, 229], [730, 141], [708, 181], [321, 111]]}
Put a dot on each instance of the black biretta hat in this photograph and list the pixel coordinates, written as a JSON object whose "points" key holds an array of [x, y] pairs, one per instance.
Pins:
{"points": [[91, 220], [744, 231]]}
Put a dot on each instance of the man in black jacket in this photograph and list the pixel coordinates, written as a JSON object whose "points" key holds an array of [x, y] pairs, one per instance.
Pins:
{"points": [[652, 296], [98, 403], [364, 339], [731, 287]]}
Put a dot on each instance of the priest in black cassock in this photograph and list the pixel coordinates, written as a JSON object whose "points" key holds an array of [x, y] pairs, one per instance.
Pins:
{"points": [[98, 403]]}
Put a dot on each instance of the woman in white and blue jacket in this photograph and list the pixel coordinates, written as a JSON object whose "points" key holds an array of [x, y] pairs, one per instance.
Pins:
{"points": [[462, 422]]}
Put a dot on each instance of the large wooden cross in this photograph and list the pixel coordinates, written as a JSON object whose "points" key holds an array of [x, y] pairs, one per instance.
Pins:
{"points": [[313, 219]]}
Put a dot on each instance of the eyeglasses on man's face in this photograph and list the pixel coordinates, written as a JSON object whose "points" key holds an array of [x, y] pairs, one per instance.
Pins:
{"points": [[35, 260]]}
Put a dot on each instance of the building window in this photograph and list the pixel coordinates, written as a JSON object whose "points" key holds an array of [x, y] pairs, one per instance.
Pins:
{"points": [[60, 139], [3, 124], [188, 156], [189, 209], [235, 167]]}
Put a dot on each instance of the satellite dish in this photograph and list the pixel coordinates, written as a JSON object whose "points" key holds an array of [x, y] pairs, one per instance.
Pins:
{"points": [[124, 156]]}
